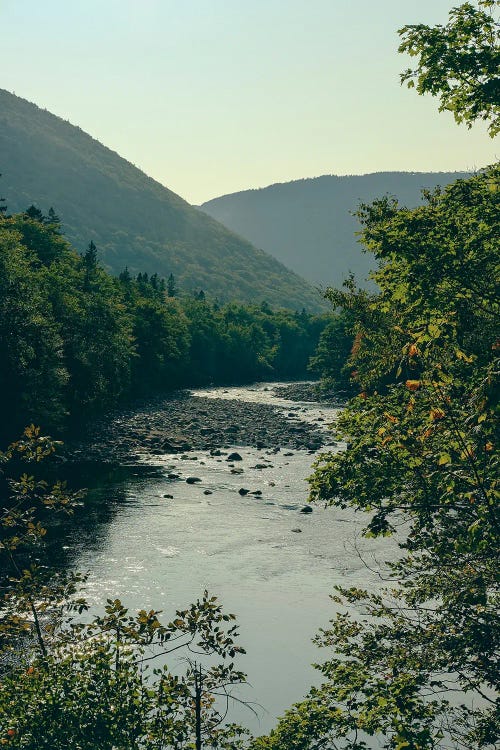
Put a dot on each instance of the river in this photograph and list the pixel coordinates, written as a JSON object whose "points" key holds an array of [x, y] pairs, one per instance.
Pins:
{"points": [[268, 562]]}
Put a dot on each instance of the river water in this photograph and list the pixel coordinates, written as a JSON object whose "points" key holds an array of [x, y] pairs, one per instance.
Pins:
{"points": [[270, 564]]}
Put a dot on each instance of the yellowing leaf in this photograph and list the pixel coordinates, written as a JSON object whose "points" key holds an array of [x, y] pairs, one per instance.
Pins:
{"points": [[413, 385], [443, 459], [437, 413]]}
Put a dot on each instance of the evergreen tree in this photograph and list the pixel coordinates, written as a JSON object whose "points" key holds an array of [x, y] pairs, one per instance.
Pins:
{"points": [[3, 205], [125, 276], [171, 286], [53, 221], [34, 213]]}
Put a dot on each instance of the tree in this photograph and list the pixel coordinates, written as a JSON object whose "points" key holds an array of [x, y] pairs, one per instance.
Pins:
{"points": [[332, 354], [67, 683], [3, 206], [171, 286], [53, 221], [417, 666], [33, 375], [89, 262], [35, 213], [161, 344], [459, 63]]}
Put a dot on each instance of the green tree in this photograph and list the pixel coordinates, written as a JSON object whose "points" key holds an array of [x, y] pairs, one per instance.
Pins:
{"points": [[171, 286], [330, 360], [459, 63], [88, 684], [33, 374], [96, 329], [161, 344], [417, 665], [3, 206]]}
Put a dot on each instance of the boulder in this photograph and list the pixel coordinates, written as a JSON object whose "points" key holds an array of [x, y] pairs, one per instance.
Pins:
{"points": [[172, 445]]}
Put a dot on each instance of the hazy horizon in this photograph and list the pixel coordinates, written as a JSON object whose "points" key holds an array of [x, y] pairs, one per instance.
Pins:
{"points": [[210, 97]]}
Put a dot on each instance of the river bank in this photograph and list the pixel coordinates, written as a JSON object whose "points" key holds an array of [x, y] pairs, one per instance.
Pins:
{"points": [[178, 518], [186, 421]]}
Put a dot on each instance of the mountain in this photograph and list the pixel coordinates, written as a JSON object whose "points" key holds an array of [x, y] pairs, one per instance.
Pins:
{"points": [[308, 225], [133, 220]]}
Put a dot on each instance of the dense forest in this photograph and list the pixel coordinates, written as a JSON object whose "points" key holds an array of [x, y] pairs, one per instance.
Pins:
{"points": [[76, 341], [412, 667], [133, 220]]}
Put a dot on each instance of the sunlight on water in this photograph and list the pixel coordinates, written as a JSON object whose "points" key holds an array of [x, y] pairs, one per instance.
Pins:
{"points": [[270, 564]]}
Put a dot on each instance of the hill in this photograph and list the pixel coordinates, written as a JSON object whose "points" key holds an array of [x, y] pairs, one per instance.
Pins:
{"points": [[307, 224], [133, 220]]}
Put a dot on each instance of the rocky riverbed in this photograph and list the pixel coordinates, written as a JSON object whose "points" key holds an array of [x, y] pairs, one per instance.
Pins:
{"points": [[207, 490], [212, 494], [307, 392], [184, 422]]}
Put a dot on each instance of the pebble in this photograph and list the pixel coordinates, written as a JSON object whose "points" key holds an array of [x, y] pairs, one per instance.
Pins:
{"points": [[182, 421]]}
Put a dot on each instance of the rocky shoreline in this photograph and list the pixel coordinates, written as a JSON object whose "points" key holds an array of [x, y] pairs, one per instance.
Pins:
{"points": [[184, 422], [307, 392]]}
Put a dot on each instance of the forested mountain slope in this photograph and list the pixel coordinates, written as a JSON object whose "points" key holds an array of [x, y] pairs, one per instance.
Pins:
{"points": [[308, 224], [133, 220]]}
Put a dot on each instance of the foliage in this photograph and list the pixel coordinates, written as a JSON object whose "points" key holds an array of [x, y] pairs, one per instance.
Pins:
{"points": [[133, 220], [418, 666], [75, 340], [330, 360], [66, 682], [459, 62], [32, 373]]}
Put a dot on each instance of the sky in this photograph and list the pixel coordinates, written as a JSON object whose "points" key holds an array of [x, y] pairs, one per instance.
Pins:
{"points": [[215, 96]]}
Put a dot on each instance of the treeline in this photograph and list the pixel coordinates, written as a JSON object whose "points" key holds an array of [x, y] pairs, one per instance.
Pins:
{"points": [[75, 340]]}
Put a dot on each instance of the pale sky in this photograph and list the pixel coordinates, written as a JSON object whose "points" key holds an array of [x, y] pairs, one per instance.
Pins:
{"points": [[214, 96]]}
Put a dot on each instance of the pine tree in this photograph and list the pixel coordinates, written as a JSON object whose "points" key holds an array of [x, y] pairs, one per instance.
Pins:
{"points": [[90, 257], [3, 207], [171, 286], [125, 276], [34, 213]]}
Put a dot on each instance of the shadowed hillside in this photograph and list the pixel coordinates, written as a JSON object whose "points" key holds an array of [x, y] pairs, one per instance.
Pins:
{"points": [[308, 224], [133, 220]]}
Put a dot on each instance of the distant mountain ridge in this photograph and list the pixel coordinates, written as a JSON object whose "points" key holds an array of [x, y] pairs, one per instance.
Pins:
{"points": [[133, 220], [308, 225]]}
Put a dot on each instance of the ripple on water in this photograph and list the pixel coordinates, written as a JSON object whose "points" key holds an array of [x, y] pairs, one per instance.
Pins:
{"points": [[240, 548], [169, 551]]}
